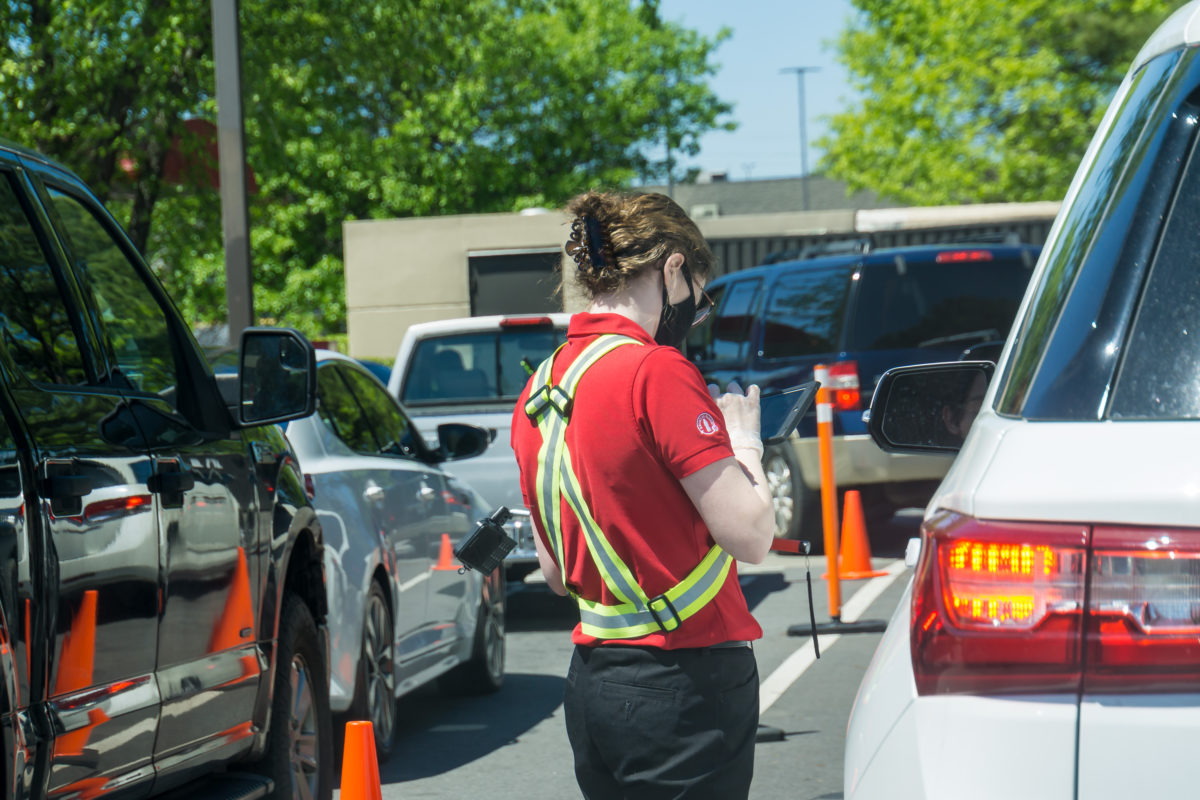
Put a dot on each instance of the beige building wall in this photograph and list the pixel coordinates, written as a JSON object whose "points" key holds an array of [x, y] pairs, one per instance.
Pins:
{"points": [[403, 271]]}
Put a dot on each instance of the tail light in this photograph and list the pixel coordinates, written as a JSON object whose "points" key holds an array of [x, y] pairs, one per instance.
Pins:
{"points": [[997, 607], [958, 256], [310, 488], [1038, 608], [526, 322], [843, 383], [1143, 625]]}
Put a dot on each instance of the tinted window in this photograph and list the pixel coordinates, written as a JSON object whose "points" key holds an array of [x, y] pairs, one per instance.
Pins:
{"points": [[482, 366], [129, 314], [341, 412], [915, 305], [395, 434], [726, 335], [1160, 373], [804, 313], [34, 321], [1102, 182]]}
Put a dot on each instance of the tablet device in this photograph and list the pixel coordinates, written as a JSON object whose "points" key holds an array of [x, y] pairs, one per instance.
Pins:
{"points": [[780, 413]]}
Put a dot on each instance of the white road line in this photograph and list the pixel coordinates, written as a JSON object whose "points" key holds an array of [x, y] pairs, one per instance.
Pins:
{"points": [[794, 665]]}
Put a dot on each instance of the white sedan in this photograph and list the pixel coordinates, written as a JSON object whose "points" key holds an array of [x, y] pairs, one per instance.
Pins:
{"points": [[401, 613]]}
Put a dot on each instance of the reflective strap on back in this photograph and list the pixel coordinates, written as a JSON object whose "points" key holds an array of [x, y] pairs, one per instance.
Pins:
{"points": [[636, 614]]}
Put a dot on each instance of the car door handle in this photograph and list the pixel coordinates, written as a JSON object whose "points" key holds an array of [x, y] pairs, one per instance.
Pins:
{"points": [[373, 493], [171, 482]]}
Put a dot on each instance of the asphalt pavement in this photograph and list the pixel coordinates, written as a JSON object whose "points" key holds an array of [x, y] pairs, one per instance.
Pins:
{"points": [[512, 744]]}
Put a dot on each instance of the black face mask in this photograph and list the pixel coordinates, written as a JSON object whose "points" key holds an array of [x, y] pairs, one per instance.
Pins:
{"points": [[676, 319]]}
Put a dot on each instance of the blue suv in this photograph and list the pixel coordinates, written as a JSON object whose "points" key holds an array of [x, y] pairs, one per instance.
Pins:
{"points": [[860, 314]]}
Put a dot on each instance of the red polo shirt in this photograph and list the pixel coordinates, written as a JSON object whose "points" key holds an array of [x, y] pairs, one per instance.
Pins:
{"points": [[642, 420]]}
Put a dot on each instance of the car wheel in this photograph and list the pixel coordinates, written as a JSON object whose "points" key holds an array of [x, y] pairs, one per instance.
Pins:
{"points": [[375, 686], [299, 753], [797, 512], [484, 672]]}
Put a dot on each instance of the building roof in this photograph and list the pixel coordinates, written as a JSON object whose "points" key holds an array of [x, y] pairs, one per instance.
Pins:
{"points": [[721, 197]]}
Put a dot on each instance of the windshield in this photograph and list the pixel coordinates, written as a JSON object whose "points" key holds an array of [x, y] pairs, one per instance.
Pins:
{"points": [[473, 367]]}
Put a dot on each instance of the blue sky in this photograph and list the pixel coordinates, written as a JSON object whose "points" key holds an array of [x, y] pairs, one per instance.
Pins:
{"points": [[768, 36]]}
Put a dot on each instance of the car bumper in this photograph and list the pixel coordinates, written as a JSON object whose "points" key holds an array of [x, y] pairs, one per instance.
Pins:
{"points": [[858, 461]]}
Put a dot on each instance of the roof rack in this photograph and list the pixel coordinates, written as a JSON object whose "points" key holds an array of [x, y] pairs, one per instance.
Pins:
{"points": [[816, 250]]}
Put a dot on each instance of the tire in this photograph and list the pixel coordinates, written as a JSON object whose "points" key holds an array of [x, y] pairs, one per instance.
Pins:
{"points": [[797, 508], [375, 686], [484, 672], [299, 754]]}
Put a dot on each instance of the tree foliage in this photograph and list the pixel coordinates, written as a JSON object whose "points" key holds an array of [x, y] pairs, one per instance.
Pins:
{"points": [[968, 101], [353, 110]]}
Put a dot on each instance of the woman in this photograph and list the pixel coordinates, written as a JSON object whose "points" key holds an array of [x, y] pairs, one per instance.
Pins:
{"points": [[644, 489]]}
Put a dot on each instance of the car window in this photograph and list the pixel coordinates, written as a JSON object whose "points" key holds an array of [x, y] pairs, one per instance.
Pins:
{"points": [[1159, 373], [804, 313], [34, 321], [395, 434], [481, 366], [129, 314], [726, 334], [1120, 153], [936, 305], [339, 410]]}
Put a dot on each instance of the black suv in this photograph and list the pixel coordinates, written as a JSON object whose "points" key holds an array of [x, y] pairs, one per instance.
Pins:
{"points": [[162, 603], [859, 314]]}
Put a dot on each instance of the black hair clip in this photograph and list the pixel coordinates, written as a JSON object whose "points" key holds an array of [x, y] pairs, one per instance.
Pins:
{"points": [[587, 244]]}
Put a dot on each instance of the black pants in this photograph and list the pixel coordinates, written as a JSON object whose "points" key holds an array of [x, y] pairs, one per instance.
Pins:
{"points": [[650, 724]]}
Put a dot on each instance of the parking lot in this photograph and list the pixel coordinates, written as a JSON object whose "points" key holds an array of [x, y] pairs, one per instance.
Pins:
{"points": [[513, 745]]}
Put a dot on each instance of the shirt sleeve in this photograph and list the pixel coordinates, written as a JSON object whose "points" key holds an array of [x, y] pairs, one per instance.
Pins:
{"points": [[676, 414]]}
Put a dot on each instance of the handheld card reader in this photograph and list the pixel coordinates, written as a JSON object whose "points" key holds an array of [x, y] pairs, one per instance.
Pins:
{"points": [[780, 413], [488, 544]]}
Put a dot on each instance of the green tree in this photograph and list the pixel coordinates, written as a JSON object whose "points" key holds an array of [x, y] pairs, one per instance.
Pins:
{"points": [[354, 109], [102, 86], [967, 101]]}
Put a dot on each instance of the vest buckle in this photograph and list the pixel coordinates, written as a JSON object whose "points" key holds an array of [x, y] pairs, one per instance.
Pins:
{"points": [[666, 623]]}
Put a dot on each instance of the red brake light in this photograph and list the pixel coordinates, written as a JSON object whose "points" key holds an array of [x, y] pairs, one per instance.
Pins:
{"points": [[843, 382], [954, 256], [526, 322], [997, 607]]}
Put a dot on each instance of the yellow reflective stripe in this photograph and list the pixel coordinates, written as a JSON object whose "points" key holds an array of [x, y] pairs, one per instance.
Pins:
{"points": [[548, 506], [688, 596], [633, 616], [613, 571], [615, 574]]}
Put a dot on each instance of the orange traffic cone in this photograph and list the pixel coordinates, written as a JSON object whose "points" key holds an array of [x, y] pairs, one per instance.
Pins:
{"points": [[360, 765], [854, 560], [236, 624], [78, 655], [445, 555]]}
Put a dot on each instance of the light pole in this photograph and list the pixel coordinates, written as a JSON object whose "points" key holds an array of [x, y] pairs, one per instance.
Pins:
{"points": [[803, 131], [231, 160]]}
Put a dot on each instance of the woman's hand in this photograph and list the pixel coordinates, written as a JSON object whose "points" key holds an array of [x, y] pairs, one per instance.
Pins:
{"points": [[741, 413]]}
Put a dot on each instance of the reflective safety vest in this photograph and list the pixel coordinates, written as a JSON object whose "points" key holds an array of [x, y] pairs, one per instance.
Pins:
{"points": [[636, 615]]}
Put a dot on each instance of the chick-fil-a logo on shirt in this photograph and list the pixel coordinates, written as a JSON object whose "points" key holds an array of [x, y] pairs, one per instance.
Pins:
{"points": [[706, 424]]}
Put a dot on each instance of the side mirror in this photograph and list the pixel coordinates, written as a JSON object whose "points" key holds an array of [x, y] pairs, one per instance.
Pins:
{"points": [[928, 408], [458, 440], [277, 376]]}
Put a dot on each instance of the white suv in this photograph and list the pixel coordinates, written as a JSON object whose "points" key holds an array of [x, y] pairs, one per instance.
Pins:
{"points": [[1049, 643], [472, 370]]}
